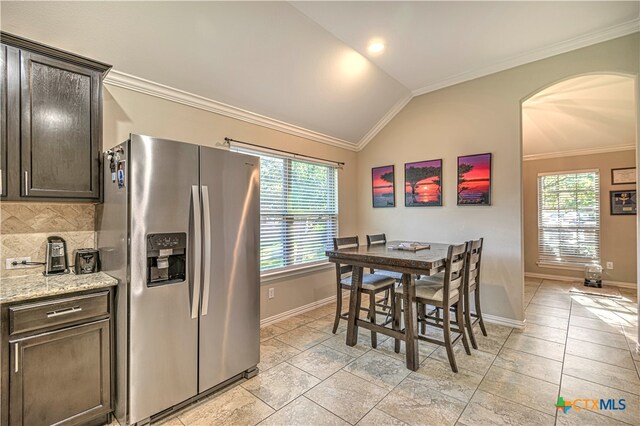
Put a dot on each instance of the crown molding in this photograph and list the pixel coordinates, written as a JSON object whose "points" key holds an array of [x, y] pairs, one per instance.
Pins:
{"points": [[141, 85], [384, 121], [610, 33], [576, 152]]}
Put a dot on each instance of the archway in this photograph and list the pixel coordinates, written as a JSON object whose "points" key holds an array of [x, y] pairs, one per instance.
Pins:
{"points": [[576, 131]]}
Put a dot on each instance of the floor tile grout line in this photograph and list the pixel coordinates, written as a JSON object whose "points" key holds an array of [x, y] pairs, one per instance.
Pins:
{"points": [[631, 351], [484, 376], [564, 355], [600, 384], [342, 369]]}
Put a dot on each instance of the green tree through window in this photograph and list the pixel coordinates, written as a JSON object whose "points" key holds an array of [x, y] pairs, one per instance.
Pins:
{"points": [[569, 217], [298, 211]]}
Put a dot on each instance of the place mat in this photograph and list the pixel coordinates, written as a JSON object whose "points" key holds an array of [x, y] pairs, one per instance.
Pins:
{"points": [[409, 247]]}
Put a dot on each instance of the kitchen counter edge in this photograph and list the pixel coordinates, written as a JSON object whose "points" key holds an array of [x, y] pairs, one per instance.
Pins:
{"points": [[31, 287]]}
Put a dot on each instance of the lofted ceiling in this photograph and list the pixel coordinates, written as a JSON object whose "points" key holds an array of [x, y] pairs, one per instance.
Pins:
{"points": [[591, 113], [303, 67]]}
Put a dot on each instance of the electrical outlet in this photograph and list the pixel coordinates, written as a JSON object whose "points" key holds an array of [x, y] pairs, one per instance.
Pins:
{"points": [[10, 265], [272, 293], [609, 265]]}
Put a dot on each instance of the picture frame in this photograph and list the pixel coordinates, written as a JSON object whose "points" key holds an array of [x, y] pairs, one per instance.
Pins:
{"points": [[474, 180], [623, 176], [623, 202], [383, 189], [423, 183]]}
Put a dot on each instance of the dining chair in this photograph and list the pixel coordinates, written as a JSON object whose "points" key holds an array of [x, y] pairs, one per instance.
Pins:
{"points": [[444, 295], [381, 239], [472, 284], [372, 284]]}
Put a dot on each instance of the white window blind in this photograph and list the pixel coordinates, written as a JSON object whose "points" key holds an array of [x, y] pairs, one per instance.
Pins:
{"points": [[298, 211], [569, 218]]}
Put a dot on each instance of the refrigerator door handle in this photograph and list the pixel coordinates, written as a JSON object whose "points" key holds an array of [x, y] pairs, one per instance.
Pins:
{"points": [[197, 252], [207, 249]]}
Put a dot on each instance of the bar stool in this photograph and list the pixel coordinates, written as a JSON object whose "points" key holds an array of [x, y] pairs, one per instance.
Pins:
{"points": [[472, 284], [444, 295], [372, 284]]}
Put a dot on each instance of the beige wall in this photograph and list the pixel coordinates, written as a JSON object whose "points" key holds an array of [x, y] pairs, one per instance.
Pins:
{"points": [[126, 111], [617, 233], [478, 116]]}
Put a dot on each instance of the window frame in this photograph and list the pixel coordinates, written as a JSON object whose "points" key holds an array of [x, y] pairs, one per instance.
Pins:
{"points": [[292, 269], [543, 260]]}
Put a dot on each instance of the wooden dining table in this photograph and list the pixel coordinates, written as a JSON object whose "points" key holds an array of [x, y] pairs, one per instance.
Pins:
{"points": [[428, 261]]}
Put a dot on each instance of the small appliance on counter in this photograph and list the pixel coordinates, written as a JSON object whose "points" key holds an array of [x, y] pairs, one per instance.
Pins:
{"points": [[87, 261], [57, 261]]}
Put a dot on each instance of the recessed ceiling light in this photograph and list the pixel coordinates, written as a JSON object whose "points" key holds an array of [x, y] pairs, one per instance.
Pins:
{"points": [[376, 47]]}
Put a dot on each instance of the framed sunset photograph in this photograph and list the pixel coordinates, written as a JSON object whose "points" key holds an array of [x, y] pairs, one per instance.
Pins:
{"points": [[423, 183], [474, 180], [383, 187]]}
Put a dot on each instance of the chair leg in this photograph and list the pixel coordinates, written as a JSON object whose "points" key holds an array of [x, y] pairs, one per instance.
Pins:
{"points": [[468, 323], [422, 315], [336, 322], [461, 327], [397, 314], [372, 319], [478, 311], [446, 324]]}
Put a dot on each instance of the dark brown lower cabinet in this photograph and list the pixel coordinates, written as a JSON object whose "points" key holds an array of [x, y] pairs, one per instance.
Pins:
{"points": [[57, 361], [61, 376]]}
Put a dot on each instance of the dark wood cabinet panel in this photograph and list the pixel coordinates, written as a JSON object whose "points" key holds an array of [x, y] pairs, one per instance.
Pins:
{"points": [[60, 121], [3, 120], [51, 112], [62, 376]]}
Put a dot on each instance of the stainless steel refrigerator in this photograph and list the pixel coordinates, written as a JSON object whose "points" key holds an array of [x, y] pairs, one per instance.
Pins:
{"points": [[179, 228]]}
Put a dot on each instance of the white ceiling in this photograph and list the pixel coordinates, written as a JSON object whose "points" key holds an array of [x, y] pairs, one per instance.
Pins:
{"points": [[430, 44], [305, 63], [582, 114]]}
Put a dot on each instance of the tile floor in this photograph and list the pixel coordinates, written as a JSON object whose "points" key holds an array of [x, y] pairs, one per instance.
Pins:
{"points": [[573, 346]]}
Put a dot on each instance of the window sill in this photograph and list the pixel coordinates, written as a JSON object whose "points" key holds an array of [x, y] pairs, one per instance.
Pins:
{"points": [[562, 265], [302, 270]]}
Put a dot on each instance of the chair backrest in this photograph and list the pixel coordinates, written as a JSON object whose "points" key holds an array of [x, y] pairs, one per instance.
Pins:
{"points": [[454, 269], [342, 243], [376, 239], [474, 257]]}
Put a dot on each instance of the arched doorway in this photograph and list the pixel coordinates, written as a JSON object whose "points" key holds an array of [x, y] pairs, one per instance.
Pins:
{"points": [[579, 144]]}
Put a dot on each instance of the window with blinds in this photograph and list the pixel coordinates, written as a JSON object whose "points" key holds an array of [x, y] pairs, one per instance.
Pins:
{"points": [[298, 211], [569, 218]]}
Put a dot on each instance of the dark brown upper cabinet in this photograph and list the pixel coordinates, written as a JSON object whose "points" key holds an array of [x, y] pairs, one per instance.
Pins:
{"points": [[53, 123], [3, 121]]}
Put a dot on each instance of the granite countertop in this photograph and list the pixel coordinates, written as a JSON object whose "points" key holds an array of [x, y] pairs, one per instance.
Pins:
{"points": [[27, 287]]}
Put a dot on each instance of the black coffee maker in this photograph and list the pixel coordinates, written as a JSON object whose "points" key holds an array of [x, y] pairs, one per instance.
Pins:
{"points": [[87, 261], [57, 260]]}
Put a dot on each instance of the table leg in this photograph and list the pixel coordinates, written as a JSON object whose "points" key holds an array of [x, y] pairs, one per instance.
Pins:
{"points": [[354, 306], [410, 320]]}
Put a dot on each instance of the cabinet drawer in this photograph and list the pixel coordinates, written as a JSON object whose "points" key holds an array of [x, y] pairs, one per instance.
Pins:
{"points": [[61, 311]]}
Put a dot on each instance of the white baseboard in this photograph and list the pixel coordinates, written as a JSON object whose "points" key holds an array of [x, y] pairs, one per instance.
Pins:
{"points": [[493, 319], [572, 279], [508, 322], [297, 311]]}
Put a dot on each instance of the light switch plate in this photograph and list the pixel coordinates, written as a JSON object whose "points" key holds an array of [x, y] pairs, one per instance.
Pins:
{"points": [[272, 293], [10, 265]]}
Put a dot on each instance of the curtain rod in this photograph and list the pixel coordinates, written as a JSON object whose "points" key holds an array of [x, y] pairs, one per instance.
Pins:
{"points": [[295, 154]]}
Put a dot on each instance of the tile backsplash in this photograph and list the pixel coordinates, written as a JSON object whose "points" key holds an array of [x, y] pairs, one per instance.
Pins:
{"points": [[24, 228]]}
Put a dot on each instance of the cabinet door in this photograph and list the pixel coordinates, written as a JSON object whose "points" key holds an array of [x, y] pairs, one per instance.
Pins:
{"points": [[61, 129], [3, 120], [62, 376]]}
